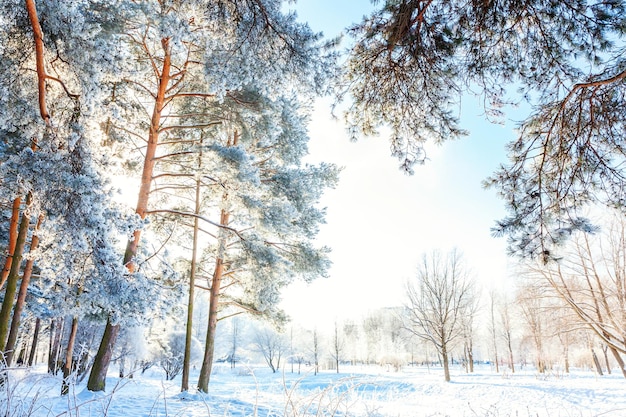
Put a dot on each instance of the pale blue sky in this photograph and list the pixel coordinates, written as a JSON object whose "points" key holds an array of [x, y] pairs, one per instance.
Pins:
{"points": [[379, 220], [331, 16]]}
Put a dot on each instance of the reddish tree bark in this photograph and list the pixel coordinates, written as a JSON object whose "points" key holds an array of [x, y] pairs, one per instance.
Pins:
{"points": [[39, 58], [15, 217], [11, 286], [214, 298], [97, 377], [21, 297], [33, 347], [67, 366]]}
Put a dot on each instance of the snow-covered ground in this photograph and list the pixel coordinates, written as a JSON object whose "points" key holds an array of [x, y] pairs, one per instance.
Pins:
{"points": [[371, 392]]}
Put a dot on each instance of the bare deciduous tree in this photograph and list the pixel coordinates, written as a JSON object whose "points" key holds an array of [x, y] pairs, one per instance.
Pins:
{"points": [[507, 331], [315, 351], [468, 328], [337, 348], [492, 328], [437, 300], [235, 335], [171, 357], [591, 280], [271, 345], [372, 328], [533, 313]]}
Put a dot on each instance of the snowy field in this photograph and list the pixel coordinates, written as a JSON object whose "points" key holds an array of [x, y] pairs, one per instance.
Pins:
{"points": [[371, 392]]}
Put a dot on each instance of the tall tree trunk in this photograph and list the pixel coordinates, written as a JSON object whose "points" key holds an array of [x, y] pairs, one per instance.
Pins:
{"points": [[55, 345], [214, 295], [444, 360], [23, 349], [121, 361], [510, 348], [9, 295], [21, 297], [290, 348], [596, 362], [316, 352], [69, 357], [234, 343], [605, 353], [33, 346], [189, 328], [539, 360], [337, 347], [619, 360], [53, 324], [15, 218], [494, 339], [97, 377], [192, 283]]}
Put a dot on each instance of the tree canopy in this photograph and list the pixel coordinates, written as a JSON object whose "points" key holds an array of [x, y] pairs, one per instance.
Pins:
{"points": [[93, 89], [205, 105], [414, 59]]}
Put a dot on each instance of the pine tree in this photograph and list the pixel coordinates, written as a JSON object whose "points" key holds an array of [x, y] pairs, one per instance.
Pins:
{"points": [[439, 299], [194, 51], [242, 185], [414, 59], [270, 199], [51, 135], [161, 58]]}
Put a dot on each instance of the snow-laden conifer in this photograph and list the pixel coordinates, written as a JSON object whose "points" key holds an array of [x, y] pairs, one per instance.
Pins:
{"points": [[61, 58], [183, 54]]}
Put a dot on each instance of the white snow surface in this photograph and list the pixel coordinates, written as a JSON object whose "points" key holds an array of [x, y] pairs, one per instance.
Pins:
{"points": [[357, 391]]}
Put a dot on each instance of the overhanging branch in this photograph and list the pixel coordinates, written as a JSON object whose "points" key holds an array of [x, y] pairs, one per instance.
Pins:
{"points": [[204, 219]]}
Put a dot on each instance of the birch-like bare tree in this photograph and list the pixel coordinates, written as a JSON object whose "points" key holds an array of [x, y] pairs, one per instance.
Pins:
{"points": [[505, 311], [337, 348], [591, 280], [315, 351], [492, 328], [534, 308], [272, 345], [468, 327], [439, 297]]}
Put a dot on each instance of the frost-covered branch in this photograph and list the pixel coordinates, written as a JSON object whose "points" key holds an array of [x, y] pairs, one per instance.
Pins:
{"points": [[169, 155], [203, 218], [198, 126], [39, 57]]}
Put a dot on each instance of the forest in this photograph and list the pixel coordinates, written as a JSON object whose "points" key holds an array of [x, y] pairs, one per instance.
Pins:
{"points": [[155, 197]]}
